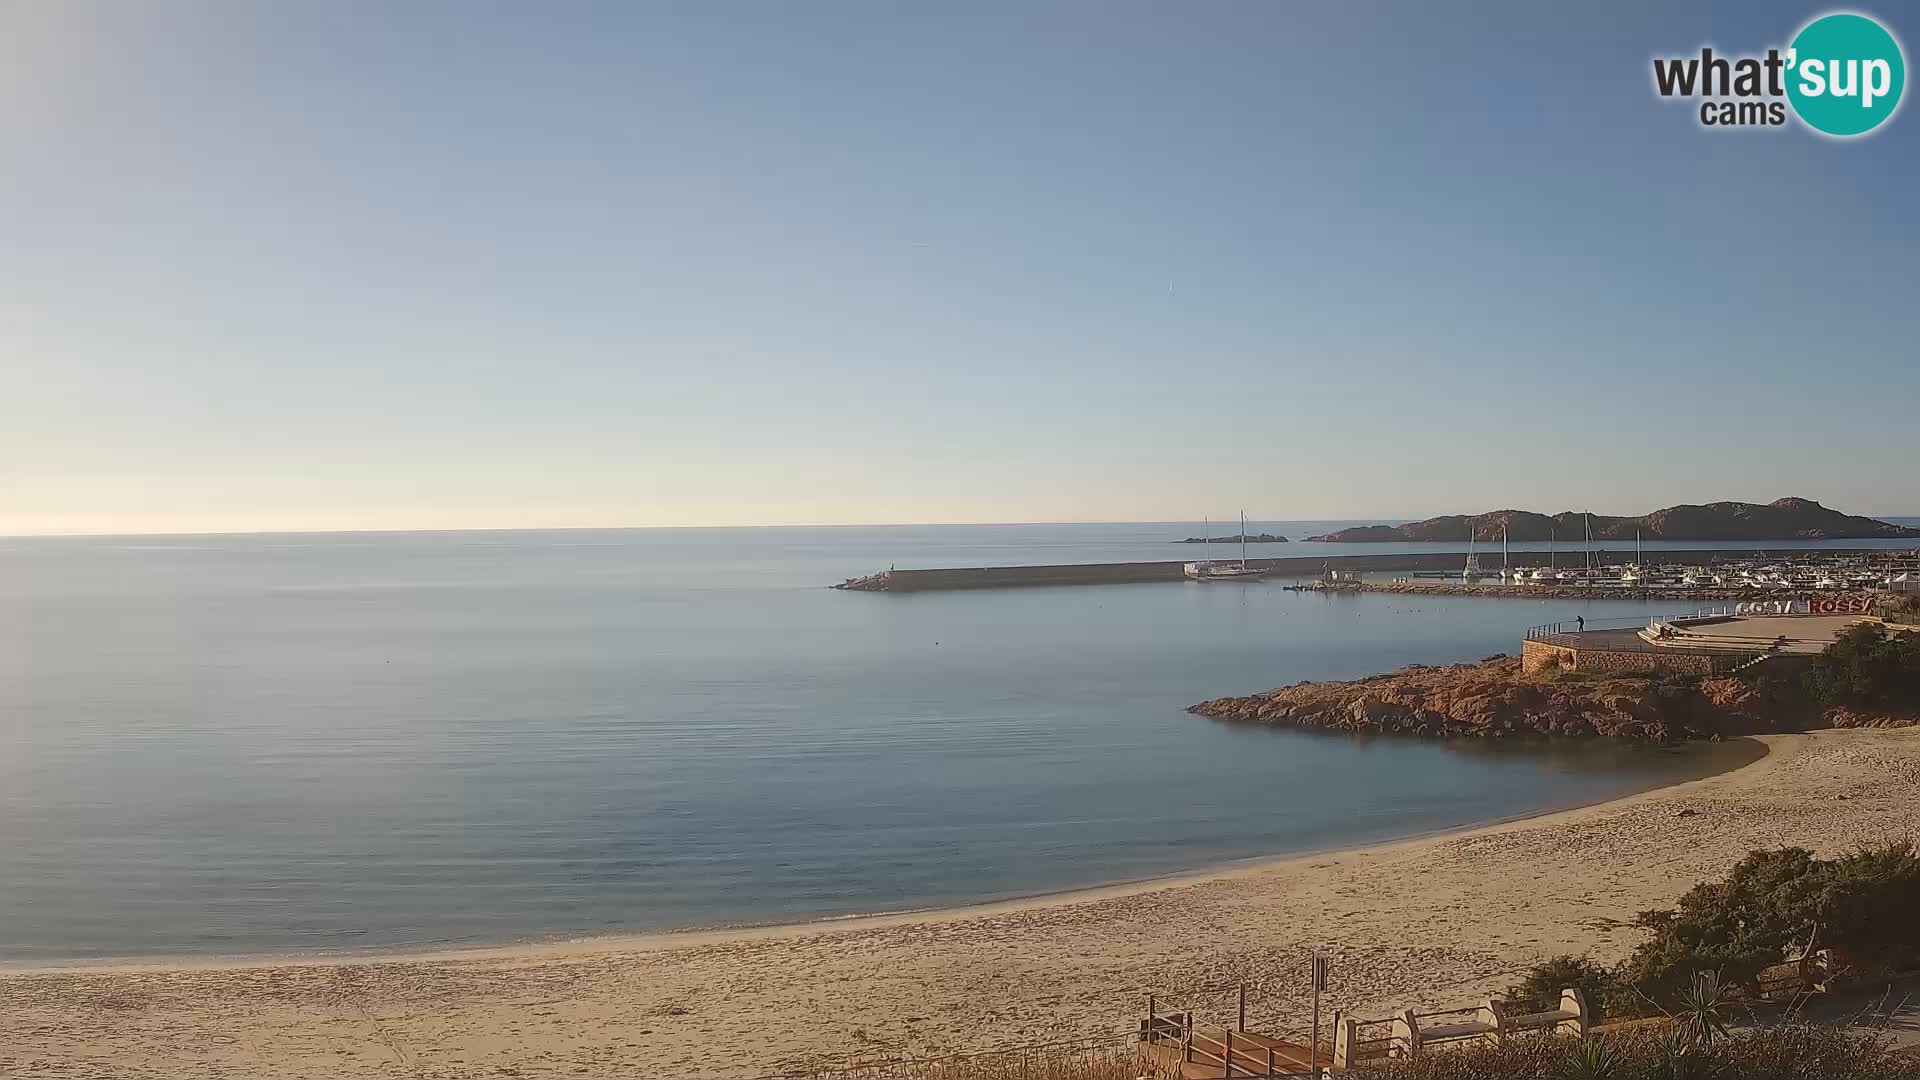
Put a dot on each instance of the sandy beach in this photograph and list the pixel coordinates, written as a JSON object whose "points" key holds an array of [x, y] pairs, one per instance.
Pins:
{"points": [[1434, 920]]}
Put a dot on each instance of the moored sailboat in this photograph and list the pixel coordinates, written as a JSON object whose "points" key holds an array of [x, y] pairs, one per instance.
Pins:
{"points": [[1208, 570]]}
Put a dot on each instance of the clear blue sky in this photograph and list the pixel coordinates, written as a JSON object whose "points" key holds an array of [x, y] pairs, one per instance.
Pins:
{"points": [[358, 265]]}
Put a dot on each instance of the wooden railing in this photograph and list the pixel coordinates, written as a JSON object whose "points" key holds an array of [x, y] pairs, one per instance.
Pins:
{"points": [[1223, 1049]]}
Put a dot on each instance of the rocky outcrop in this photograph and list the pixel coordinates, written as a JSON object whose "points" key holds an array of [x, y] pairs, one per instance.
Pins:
{"points": [[1254, 538], [1782, 519], [1372, 533], [1495, 699], [1845, 717]]}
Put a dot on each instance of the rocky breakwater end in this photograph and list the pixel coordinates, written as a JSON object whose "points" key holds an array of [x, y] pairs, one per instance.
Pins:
{"points": [[1495, 699]]}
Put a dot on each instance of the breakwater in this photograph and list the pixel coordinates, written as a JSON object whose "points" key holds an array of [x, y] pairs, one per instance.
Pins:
{"points": [[1007, 577]]}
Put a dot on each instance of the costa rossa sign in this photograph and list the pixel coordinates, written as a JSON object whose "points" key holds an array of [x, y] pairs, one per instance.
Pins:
{"points": [[1819, 605], [1839, 605]]}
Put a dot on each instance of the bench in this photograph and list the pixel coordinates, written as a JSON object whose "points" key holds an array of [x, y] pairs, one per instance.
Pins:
{"points": [[1409, 1032]]}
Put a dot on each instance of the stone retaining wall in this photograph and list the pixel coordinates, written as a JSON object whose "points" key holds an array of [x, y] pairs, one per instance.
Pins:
{"points": [[1538, 656]]}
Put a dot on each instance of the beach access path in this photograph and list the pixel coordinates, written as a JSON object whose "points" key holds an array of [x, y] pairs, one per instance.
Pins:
{"points": [[1431, 921]]}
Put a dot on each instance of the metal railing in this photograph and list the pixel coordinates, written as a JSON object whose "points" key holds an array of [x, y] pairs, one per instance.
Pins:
{"points": [[1722, 661], [1573, 636], [1574, 626]]}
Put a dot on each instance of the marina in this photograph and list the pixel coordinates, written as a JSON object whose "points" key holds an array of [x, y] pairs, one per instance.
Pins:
{"points": [[1703, 573]]}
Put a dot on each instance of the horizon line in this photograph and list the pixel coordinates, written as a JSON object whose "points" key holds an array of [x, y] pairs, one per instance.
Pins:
{"points": [[778, 525]]}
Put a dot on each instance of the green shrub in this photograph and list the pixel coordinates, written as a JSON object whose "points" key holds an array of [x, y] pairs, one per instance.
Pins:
{"points": [[1735, 927], [1770, 906], [1774, 903], [1702, 1015], [1539, 989], [1866, 665], [1772, 1053], [1591, 1059], [1870, 906]]}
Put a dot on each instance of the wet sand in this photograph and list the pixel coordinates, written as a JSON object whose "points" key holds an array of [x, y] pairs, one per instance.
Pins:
{"points": [[1439, 919]]}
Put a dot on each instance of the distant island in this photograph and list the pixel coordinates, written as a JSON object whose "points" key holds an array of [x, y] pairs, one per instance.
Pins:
{"points": [[1782, 519], [1262, 538]]}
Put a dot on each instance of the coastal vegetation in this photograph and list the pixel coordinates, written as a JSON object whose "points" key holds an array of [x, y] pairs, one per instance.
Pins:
{"points": [[1866, 666], [1775, 1052], [1868, 677], [1706, 957], [1703, 1050], [1782, 519], [1772, 907]]}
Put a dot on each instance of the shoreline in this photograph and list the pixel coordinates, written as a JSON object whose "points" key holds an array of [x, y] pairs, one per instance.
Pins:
{"points": [[658, 940], [1424, 922]]}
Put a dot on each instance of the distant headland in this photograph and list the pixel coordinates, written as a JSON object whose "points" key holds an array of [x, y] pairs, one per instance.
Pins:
{"points": [[1782, 519], [1251, 538]]}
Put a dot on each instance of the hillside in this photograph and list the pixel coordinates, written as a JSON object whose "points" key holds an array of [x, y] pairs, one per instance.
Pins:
{"points": [[1782, 519]]}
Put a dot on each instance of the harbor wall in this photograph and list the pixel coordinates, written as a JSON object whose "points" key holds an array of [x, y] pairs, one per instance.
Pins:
{"points": [[1001, 577], [1537, 656], [998, 577]]}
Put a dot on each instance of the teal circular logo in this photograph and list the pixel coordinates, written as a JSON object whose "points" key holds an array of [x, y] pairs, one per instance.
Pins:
{"points": [[1845, 74]]}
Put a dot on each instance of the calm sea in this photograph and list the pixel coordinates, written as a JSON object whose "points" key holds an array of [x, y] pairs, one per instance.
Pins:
{"points": [[336, 742]]}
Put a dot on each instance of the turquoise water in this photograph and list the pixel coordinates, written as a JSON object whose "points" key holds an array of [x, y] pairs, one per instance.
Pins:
{"points": [[255, 744]]}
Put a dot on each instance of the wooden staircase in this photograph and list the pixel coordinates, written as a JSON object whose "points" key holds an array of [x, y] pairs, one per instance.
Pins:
{"points": [[1222, 1052]]}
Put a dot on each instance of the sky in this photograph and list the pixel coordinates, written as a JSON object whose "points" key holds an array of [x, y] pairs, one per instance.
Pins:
{"points": [[355, 265]]}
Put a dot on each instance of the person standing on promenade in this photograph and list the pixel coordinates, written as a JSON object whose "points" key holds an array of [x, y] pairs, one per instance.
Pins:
{"points": [[1580, 624]]}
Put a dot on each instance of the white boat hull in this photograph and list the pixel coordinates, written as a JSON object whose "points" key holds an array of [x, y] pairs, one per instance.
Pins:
{"points": [[1203, 572]]}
